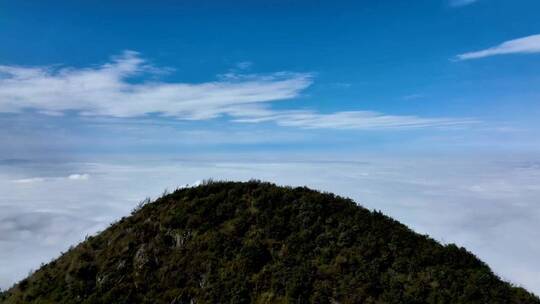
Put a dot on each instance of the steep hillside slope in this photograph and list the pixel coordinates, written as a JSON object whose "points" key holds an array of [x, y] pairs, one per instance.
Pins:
{"points": [[255, 242]]}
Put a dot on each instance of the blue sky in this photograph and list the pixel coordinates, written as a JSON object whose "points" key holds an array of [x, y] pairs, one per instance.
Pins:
{"points": [[393, 62], [418, 108]]}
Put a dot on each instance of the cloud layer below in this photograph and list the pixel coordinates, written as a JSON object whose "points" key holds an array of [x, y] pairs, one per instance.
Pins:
{"points": [[525, 45], [122, 88], [488, 205]]}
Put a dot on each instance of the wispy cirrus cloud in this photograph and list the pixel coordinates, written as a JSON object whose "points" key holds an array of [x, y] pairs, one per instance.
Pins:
{"points": [[244, 65], [457, 3], [524, 45], [359, 120], [110, 90]]}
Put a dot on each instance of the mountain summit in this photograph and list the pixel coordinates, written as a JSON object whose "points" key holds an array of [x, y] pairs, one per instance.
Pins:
{"points": [[229, 242]]}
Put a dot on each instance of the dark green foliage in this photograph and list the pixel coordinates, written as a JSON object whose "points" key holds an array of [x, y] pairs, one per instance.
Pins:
{"points": [[258, 243]]}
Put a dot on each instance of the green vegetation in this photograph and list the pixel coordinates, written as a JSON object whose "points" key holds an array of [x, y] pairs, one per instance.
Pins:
{"points": [[253, 242]]}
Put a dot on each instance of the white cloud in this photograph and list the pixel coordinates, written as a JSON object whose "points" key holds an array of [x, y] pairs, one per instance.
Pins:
{"points": [[360, 120], [109, 90], [196, 183], [29, 180], [78, 176], [32, 180], [457, 3], [525, 45], [106, 90]]}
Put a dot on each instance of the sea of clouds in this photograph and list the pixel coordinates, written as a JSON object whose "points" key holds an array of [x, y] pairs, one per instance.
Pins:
{"points": [[490, 206]]}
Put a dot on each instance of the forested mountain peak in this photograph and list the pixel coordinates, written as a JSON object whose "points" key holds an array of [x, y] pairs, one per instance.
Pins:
{"points": [[254, 242]]}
